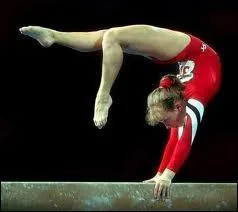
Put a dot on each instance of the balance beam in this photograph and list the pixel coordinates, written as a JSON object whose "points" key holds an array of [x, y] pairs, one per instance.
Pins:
{"points": [[108, 196]]}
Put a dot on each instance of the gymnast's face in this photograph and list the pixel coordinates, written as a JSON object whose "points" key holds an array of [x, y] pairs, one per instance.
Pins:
{"points": [[174, 117]]}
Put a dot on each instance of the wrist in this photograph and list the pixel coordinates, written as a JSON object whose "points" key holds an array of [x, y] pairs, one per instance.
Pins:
{"points": [[158, 174], [168, 174]]}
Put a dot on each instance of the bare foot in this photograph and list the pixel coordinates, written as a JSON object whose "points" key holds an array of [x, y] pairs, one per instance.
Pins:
{"points": [[44, 36], [102, 105]]}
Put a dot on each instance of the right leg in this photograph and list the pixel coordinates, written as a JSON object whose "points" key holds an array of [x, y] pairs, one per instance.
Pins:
{"points": [[80, 41]]}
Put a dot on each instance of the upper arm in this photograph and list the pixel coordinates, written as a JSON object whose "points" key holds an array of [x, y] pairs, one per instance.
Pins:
{"points": [[195, 110]]}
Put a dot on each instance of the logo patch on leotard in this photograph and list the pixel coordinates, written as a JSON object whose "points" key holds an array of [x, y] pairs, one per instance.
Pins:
{"points": [[203, 47], [186, 70]]}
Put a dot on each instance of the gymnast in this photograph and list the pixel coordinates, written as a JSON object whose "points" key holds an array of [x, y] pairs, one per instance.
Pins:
{"points": [[178, 101]]}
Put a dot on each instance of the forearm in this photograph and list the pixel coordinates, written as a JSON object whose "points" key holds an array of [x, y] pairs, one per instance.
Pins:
{"points": [[179, 157], [177, 160], [168, 152], [175, 154]]}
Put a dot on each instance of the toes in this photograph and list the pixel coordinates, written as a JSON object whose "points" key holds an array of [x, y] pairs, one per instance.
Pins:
{"points": [[100, 124], [24, 29]]}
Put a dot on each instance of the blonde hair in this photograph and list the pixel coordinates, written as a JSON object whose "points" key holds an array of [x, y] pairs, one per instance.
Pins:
{"points": [[163, 98]]}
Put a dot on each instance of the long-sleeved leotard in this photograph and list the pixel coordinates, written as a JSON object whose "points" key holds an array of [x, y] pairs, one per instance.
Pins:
{"points": [[200, 71]]}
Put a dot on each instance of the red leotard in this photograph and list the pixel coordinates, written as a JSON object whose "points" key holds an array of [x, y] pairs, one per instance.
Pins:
{"points": [[200, 71]]}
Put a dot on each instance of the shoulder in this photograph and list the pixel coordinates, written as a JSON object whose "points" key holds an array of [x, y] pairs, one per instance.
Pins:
{"points": [[195, 109]]}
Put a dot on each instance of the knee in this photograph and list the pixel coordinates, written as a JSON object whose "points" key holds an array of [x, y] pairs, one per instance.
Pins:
{"points": [[109, 37]]}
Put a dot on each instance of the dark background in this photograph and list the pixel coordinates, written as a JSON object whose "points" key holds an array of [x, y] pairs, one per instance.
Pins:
{"points": [[47, 95]]}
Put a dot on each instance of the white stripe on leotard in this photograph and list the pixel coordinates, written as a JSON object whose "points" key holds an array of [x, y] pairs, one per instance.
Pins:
{"points": [[198, 105]]}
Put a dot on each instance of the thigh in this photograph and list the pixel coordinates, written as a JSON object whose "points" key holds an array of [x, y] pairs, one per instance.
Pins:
{"points": [[161, 43]]}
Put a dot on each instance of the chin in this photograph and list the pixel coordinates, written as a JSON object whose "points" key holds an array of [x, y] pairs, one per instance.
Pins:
{"points": [[173, 126], [181, 124]]}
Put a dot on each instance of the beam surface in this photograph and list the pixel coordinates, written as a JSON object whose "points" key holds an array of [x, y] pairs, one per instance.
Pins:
{"points": [[108, 196]]}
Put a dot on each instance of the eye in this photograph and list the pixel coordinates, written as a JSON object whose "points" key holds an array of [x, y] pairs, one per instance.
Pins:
{"points": [[165, 120]]}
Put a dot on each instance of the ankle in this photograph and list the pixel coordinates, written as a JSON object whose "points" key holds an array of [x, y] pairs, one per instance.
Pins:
{"points": [[57, 35], [103, 92], [103, 95]]}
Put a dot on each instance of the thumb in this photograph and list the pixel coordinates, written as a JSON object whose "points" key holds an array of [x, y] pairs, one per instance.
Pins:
{"points": [[152, 180]]}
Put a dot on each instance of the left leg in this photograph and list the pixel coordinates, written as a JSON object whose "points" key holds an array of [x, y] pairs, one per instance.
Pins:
{"points": [[111, 64], [140, 39]]}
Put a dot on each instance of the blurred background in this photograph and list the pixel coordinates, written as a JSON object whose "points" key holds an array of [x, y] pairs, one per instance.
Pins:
{"points": [[47, 95]]}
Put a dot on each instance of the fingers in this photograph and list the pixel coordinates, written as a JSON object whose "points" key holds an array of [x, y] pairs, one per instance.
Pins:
{"points": [[164, 193], [169, 192], [157, 190]]}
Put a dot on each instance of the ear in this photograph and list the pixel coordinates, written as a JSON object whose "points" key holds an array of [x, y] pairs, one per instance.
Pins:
{"points": [[178, 106]]}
